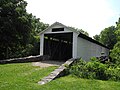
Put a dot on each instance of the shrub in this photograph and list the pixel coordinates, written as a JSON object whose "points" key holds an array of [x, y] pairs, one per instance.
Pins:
{"points": [[97, 69], [91, 70], [94, 70], [115, 54], [77, 67], [113, 74]]}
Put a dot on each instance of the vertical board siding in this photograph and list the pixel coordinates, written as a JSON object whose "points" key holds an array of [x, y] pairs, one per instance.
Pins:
{"points": [[87, 49]]}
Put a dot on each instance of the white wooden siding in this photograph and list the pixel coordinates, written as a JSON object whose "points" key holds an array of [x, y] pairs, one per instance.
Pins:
{"points": [[74, 47], [87, 49], [81, 47], [41, 44]]}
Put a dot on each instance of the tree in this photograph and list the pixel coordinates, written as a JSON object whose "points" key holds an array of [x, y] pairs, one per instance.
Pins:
{"points": [[80, 30], [118, 30], [97, 37], [37, 27], [115, 54], [83, 32], [107, 37], [15, 26], [19, 31]]}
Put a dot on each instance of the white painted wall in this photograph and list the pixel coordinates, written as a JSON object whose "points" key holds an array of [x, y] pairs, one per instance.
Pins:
{"points": [[74, 47], [87, 49], [41, 44]]}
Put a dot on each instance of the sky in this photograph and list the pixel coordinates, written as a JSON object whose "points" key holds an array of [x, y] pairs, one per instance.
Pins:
{"points": [[90, 15]]}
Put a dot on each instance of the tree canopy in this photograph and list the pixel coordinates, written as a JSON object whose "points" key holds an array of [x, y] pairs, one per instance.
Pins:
{"points": [[17, 28], [97, 37], [111, 37], [80, 30], [107, 37], [115, 52]]}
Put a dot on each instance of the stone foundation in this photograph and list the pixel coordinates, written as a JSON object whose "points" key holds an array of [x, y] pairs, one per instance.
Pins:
{"points": [[23, 60]]}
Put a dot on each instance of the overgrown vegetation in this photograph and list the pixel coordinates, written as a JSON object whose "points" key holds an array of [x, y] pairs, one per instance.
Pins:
{"points": [[94, 69], [111, 37], [115, 54], [107, 37]]}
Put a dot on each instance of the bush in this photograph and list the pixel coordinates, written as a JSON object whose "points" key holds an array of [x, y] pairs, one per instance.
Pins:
{"points": [[94, 70], [94, 66], [115, 54], [78, 68], [113, 74]]}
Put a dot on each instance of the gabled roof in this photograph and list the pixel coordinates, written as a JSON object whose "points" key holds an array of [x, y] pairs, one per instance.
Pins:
{"points": [[57, 23], [73, 30]]}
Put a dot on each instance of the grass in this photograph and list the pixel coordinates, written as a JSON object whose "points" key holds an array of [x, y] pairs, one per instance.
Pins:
{"points": [[22, 76], [74, 83], [25, 77]]}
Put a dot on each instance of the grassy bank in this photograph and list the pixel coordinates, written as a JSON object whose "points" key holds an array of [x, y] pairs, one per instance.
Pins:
{"points": [[22, 76], [74, 83], [25, 77]]}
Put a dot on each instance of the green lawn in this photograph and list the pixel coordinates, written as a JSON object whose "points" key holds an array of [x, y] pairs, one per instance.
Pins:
{"points": [[74, 83], [25, 77], [21, 76]]}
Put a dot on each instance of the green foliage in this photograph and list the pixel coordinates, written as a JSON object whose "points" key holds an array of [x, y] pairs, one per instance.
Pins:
{"points": [[107, 37], [115, 54], [111, 37], [80, 30], [97, 69], [15, 26], [77, 67], [83, 32], [113, 74], [118, 30], [94, 70], [97, 38], [118, 34], [19, 31]]}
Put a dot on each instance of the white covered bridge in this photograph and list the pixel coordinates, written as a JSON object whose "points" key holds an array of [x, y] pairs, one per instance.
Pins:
{"points": [[61, 43]]}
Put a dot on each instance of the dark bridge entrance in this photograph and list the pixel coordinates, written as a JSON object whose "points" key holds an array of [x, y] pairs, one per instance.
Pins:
{"points": [[58, 45]]}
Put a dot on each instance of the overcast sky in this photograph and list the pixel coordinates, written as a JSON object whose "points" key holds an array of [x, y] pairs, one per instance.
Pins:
{"points": [[90, 15]]}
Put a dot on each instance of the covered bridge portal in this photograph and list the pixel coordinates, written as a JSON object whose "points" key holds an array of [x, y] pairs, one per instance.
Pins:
{"points": [[61, 43], [58, 45]]}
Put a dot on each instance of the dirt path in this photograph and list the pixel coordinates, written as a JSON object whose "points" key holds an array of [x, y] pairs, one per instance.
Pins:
{"points": [[46, 63]]}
